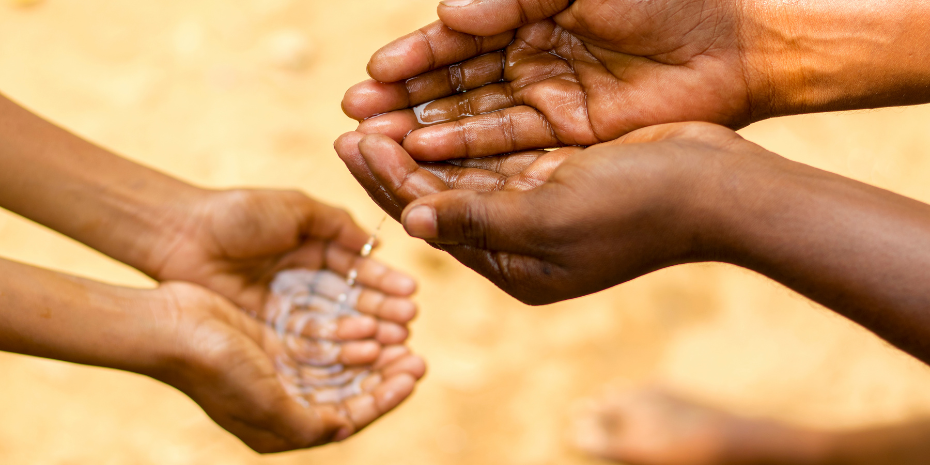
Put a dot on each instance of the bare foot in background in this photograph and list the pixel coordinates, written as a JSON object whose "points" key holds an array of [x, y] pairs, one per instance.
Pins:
{"points": [[654, 427]]}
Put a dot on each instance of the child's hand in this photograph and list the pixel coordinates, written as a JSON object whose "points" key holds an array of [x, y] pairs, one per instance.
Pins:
{"points": [[222, 362], [234, 242]]}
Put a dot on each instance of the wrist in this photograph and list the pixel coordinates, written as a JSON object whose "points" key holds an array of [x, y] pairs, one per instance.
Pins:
{"points": [[732, 186], [169, 356], [159, 224], [818, 56]]}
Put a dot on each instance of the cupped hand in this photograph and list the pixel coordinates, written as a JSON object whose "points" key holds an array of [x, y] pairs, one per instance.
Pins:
{"points": [[514, 172], [539, 74], [605, 215], [226, 367], [235, 242]]}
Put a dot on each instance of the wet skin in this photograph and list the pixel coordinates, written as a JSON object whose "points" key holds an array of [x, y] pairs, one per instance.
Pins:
{"points": [[664, 196], [508, 75]]}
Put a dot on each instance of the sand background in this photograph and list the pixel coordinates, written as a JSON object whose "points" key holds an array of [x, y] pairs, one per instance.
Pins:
{"points": [[247, 92]]}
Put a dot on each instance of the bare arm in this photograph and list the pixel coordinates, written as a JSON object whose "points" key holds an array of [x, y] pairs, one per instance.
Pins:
{"points": [[47, 314], [84, 191]]}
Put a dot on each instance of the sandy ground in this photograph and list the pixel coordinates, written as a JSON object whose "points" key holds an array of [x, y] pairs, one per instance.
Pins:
{"points": [[247, 92]]}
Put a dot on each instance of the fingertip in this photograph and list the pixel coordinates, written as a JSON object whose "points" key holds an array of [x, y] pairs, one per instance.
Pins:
{"points": [[354, 328], [420, 221], [344, 433], [389, 62], [396, 125], [391, 333], [360, 352], [346, 145], [369, 98], [398, 310], [393, 391], [389, 355], [436, 143], [399, 284], [412, 364], [371, 143]]}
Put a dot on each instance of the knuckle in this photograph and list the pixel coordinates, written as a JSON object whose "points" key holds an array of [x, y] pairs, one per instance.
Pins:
{"points": [[473, 225]]}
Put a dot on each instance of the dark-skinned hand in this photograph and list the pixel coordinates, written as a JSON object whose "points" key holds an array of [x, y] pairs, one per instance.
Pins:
{"points": [[537, 74]]}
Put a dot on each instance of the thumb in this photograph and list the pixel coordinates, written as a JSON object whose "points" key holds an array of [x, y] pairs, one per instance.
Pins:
{"points": [[502, 221], [489, 17]]}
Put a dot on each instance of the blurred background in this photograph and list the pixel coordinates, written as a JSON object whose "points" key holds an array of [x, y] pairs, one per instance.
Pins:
{"points": [[247, 93]]}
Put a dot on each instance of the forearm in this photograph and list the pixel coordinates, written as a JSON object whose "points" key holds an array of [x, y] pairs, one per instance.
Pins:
{"points": [[83, 191], [824, 55], [47, 314], [859, 250], [904, 444]]}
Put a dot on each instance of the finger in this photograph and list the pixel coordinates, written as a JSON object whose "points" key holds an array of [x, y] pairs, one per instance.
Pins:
{"points": [[429, 48], [369, 98], [396, 309], [457, 177], [409, 364], [488, 17], [506, 165], [347, 147], [319, 290], [504, 221], [483, 174], [320, 325], [391, 333], [397, 173], [481, 101], [518, 171], [359, 352], [370, 273], [510, 130], [396, 124], [366, 408], [540, 170], [389, 355], [324, 353], [354, 328]]}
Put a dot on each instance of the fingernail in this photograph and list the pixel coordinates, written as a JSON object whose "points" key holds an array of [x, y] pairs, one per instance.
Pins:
{"points": [[421, 222], [456, 3]]}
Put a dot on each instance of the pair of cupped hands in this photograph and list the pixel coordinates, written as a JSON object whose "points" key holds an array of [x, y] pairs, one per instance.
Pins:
{"points": [[215, 260], [562, 147]]}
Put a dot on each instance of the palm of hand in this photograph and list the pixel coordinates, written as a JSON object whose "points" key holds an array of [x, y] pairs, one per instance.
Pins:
{"points": [[586, 220], [576, 79], [236, 242], [231, 375]]}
